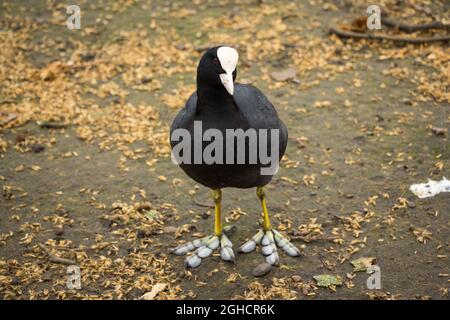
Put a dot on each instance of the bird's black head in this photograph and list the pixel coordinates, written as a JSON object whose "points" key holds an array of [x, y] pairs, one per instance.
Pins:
{"points": [[217, 69]]}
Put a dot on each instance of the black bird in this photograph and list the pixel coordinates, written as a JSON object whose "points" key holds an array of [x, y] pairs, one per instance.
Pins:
{"points": [[205, 143]]}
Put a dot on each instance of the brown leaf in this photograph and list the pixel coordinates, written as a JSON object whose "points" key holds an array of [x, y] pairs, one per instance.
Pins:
{"points": [[157, 288]]}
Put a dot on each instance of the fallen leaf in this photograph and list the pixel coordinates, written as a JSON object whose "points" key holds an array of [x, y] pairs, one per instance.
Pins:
{"points": [[157, 288], [362, 263], [322, 104], [151, 214], [327, 281]]}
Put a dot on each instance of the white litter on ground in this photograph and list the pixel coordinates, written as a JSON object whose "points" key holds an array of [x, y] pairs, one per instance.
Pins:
{"points": [[431, 188]]}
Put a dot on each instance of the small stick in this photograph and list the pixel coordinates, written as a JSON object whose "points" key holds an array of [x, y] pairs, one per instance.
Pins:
{"points": [[411, 27], [308, 239], [11, 117], [350, 34], [51, 125], [72, 249], [201, 204], [54, 258], [322, 260]]}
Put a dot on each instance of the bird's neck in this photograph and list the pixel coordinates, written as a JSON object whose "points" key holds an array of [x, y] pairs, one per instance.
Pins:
{"points": [[218, 103], [209, 96]]}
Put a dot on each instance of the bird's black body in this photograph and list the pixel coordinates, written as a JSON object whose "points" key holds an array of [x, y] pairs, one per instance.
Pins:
{"points": [[247, 108]]}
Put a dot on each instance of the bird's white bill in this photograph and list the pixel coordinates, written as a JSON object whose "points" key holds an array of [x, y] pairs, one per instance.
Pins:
{"points": [[228, 58], [227, 81]]}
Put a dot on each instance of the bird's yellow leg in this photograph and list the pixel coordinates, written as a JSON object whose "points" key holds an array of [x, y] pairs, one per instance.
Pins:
{"points": [[204, 247], [268, 238], [262, 197], [217, 196]]}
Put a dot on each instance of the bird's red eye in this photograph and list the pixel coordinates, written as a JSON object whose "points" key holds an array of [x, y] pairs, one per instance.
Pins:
{"points": [[216, 61]]}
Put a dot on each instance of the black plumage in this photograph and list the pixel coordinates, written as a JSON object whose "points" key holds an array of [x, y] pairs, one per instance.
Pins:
{"points": [[216, 108]]}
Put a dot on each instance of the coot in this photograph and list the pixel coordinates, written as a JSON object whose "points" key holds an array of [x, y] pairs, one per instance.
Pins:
{"points": [[229, 135]]}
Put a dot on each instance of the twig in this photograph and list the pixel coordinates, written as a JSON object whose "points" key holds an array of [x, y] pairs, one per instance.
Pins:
{"points": [[201, 204], [310, 238], [325, 263], [51, 125], [54, 258], [350, 34], [419, 8], [72, 249], [412, 28], [11, 117], [6, 101]]}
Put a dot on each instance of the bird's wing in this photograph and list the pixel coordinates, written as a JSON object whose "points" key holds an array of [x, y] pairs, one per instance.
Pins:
{"points": [[259, 111], [185, 115]]}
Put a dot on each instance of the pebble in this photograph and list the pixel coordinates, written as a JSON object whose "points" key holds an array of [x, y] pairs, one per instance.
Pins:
{"points": [[205, 215], [47, 276], [58, 231], [36, 148], [145, 206], [229, 230], [296, 278], [170, 229], [262, 269]]}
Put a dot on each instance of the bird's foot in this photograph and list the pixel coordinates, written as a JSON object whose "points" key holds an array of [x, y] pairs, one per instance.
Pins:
{"points": [[270, 240], [203, 248]]}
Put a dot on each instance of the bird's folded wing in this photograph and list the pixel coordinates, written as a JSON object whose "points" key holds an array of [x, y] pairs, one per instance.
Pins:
{"points": [[186, 115], [259, 111]]}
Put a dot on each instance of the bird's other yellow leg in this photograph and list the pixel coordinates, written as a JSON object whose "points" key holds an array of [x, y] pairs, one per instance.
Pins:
{"points": [[262, 197], [202, 248], [217, 197], [268, 238]]}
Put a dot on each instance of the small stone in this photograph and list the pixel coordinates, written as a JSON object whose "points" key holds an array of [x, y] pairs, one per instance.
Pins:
{"points": [[47, 276], [170, 229], [88, 57], [20, 138], [145, 206], [229, 230], [439, 131], [141, 234], [284, 75], [59, 231], [296, 278], [117, 205], [262, 269], [36, 148], [145, 80], [205, 215]]}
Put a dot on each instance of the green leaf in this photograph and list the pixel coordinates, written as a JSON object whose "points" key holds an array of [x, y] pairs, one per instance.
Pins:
{"points": [[151, 214], [327, 280], [363, 263]]}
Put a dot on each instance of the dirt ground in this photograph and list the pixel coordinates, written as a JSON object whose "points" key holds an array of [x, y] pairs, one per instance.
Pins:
{"points": [[85, 163]]}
